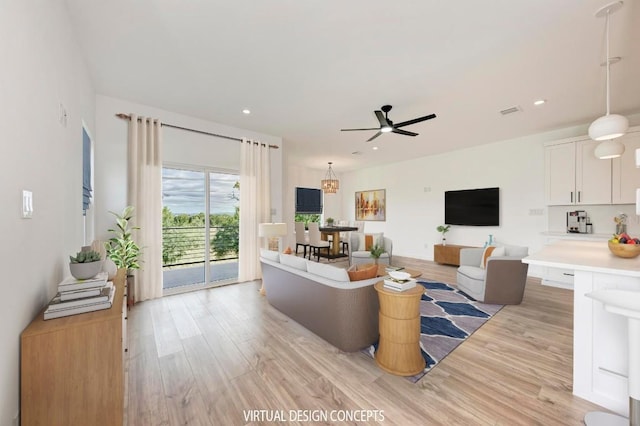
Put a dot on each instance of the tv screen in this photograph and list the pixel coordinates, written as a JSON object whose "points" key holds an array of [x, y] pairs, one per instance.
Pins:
{"points": [[473, 207], [308, 201]]}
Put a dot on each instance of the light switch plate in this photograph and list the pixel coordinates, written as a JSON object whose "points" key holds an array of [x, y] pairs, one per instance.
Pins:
{"points": [[27, 204]]}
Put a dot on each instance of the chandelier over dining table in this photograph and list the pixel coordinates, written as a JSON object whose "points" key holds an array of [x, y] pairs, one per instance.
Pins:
{"points": [[330, 184]]}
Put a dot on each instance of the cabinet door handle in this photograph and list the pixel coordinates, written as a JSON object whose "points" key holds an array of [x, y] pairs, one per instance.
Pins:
{"points": [[572, 196], [579, 196], [567, 274]]}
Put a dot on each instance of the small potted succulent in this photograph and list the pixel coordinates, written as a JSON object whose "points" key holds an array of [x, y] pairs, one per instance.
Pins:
{"points": [[376, 251], [443, 229], [86, 264], [330, 221]]}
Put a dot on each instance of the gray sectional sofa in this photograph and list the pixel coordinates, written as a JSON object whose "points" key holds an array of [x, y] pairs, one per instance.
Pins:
{"points": [[321, 298]]}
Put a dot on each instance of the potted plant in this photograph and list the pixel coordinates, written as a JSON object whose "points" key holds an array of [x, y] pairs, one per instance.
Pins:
{"points": [[443, 229], [376, 251], [85, 264], [330, 221], [123, 250]]}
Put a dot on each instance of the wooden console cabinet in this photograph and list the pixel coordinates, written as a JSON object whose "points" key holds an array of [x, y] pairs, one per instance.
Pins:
{"points": [[72, 368], [447, 255]]}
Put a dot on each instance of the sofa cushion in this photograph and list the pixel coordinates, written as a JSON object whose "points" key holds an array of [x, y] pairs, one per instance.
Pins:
{"points": [[328, 271], [293, 261], [362, 271], [271, 255], [516, 251], [473, 272]]}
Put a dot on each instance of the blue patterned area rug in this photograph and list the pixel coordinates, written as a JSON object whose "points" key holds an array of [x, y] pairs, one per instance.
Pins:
{"points": [[447, 318]]}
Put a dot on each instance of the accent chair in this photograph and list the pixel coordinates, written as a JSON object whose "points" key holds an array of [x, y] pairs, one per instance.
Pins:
{"points": [[498, 279]]}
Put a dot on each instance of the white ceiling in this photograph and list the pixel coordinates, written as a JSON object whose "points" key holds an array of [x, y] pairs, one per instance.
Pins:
{"points": [[306, 69]]}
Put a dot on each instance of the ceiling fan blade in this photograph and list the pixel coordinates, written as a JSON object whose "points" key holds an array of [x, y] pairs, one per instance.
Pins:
{"points": [[415, 120], [350, 130], [404, 132], [381, 118], [374, 136]]}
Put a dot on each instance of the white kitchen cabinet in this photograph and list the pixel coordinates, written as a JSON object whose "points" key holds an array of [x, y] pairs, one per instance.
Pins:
{"points": [[574, 176], [560, 165], [625, 174]]}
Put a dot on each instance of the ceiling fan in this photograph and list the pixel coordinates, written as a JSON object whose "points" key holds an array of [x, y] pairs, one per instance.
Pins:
{"points": [[387, 125]]}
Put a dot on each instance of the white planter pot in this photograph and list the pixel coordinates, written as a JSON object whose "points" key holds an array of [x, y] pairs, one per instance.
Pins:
{"points": [[84, 271]]}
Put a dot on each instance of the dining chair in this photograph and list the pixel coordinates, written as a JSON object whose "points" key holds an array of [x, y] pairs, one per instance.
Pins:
{"points": [[315, 241], [301, 238], [344, 237]]}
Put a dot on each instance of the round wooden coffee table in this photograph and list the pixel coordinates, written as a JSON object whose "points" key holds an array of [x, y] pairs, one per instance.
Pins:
{"points": [[399, 323]]}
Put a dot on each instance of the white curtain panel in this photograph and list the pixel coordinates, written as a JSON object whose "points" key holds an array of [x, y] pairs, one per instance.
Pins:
{"points": [[144, 193], [255, 205]]}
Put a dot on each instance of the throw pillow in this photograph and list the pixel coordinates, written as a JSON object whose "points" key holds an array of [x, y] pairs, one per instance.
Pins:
{"points": [[366, 241], [485, 255], [362, 271], [499, 252], [491, 251]]}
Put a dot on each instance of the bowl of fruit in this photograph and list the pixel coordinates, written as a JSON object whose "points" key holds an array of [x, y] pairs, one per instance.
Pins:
{"points": [[622, 245]]}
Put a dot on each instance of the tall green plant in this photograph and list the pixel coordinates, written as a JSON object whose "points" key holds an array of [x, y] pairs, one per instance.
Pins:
{"points": [[121, 248]]}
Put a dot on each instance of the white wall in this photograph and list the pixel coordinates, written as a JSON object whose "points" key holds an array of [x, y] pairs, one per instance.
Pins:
{"points": [[41, 68], [179, 147]]}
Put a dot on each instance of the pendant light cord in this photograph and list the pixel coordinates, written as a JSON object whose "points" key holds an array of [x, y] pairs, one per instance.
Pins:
{"points": [[608, 62]]}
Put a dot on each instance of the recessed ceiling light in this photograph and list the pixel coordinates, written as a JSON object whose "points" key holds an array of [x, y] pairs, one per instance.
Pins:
{"points": [[375, 148], [246, 111], [540, 102]]}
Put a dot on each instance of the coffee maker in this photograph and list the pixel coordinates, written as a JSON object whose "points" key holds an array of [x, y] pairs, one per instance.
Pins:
{"points": [[577, 222]]}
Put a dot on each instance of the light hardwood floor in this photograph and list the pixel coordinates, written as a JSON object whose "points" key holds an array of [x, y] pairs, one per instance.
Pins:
{"points": [[206, 357]]}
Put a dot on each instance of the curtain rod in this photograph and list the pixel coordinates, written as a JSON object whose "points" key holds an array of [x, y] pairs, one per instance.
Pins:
{"points": [[128, 117]]}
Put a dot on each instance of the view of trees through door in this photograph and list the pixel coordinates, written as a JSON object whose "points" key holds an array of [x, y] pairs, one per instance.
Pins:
{"points": [[197, 251]]}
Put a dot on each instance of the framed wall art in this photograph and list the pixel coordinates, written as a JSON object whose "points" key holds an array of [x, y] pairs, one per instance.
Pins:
{"points": [[371, 205]]}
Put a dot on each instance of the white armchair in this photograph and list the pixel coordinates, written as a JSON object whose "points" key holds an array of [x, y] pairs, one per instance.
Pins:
{"points": [[501, 281], [358, 254]]}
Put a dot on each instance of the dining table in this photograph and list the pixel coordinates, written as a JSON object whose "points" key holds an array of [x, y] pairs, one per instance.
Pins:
{"points": [[335, 231]]}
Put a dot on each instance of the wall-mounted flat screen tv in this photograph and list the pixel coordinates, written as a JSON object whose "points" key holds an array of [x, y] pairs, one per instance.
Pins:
{"points": [[472, 207], [308, 201]]}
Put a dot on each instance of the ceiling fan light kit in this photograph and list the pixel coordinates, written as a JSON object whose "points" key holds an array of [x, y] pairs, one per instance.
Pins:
{"points": [[609, 126], [387, 126]]}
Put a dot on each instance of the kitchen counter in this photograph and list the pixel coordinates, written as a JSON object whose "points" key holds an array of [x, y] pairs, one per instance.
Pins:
{"points": [[600, 347], [572, 236], [593, 256]]}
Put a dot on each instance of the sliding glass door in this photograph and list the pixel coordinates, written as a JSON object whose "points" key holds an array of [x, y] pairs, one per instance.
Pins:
{"points": [[200, 225]]}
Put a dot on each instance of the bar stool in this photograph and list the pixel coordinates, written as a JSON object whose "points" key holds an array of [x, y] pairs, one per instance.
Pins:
{"points": [[627, 303]]}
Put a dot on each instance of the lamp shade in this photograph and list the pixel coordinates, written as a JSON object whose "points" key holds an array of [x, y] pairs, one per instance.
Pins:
{"points": [[272, 229], [609, 149], [609, 126]]}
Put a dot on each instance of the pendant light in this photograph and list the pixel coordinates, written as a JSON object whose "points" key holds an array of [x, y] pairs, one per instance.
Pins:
{"points": [[330, 184], [609, 126]]}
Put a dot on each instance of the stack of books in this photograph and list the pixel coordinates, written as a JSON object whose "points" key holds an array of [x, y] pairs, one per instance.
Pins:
{"points": [[80, 296], [399, 285]]}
